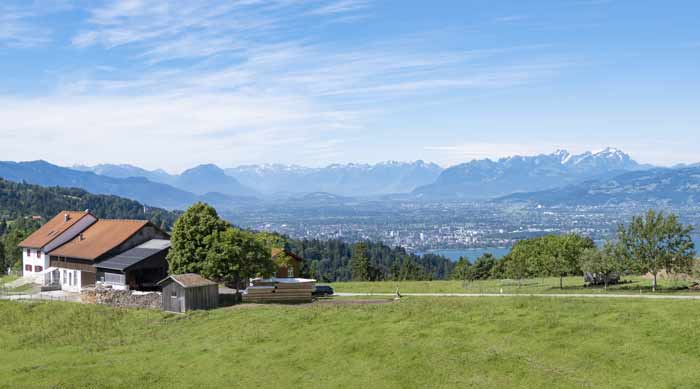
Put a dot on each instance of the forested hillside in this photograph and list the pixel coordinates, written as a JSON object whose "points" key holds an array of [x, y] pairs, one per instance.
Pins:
{"points": [[331, 261], [20, 200]]}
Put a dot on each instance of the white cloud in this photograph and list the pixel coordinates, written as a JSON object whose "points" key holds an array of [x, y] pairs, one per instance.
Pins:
{"points": [[239, 82]]}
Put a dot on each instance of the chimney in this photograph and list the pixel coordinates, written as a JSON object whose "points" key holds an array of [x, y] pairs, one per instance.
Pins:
{"points": [[82, 237], [87, 210], [66, 217]]}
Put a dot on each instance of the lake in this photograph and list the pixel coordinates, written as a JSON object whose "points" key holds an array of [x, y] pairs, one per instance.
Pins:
{"points": [[472, 254], [498, 252]]}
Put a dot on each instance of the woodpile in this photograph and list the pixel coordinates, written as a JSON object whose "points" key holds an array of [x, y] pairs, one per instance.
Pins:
{"points": [[280, 290]]}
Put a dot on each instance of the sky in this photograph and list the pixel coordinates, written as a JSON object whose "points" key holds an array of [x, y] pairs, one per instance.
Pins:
{"points": [[173, 84]]}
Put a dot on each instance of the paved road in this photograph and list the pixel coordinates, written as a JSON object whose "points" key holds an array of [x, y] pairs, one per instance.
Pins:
{"points": [[577, 295]]}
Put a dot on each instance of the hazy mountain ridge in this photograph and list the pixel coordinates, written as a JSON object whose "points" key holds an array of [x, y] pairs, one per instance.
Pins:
{"points": [[488, 178], [676, 186], [341, 179], [136, 188]]}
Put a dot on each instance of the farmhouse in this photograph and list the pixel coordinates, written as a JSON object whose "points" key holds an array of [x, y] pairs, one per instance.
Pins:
{"points": [[57, 231], [66, 251]]}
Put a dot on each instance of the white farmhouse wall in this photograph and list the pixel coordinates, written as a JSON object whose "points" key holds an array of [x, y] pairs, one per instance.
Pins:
{"points": [[31, 261], [70, 279]]}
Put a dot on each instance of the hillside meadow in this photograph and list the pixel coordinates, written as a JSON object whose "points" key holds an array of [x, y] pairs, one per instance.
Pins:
{"points": [[412, 343], [630, 284]]}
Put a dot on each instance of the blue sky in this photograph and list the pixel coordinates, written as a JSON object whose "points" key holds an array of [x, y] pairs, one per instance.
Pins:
{"points": [[313, 82]]}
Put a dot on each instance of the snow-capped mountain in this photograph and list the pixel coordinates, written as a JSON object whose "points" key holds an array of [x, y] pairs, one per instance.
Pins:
{"points": [[341, 179], [487, 178]]}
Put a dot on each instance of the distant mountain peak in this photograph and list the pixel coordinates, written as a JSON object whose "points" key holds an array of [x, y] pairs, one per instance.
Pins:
{"points": [[486, 178]]}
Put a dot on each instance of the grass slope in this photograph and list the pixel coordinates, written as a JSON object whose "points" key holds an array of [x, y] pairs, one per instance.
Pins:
{"points": [[537, 285], [415, 343]]}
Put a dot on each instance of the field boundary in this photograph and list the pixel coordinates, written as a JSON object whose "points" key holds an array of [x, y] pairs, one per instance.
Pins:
{"points": [[558, 295]]}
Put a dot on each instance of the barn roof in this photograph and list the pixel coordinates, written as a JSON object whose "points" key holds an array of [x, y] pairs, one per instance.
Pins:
{"points": [[53, 229], [188, 280], [137, 254], [99, 238]]}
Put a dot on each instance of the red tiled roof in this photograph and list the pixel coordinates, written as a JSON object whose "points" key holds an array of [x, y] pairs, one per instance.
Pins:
{"points": [[99, 238], [52, 229]]}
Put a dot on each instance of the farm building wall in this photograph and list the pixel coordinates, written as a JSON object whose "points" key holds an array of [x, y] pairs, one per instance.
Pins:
{"points": [[202, 297]]}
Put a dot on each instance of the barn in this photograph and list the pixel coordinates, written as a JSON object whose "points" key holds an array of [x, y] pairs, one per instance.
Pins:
{"points": [[187, 292]]}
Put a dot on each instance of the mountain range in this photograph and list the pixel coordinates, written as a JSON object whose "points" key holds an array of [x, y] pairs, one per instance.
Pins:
{"points": [[679, 186], [486, 178], [285, 181], [605, 176]]}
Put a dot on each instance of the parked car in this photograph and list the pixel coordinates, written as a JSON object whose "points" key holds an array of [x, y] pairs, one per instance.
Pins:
{"points": [[322, 291]]}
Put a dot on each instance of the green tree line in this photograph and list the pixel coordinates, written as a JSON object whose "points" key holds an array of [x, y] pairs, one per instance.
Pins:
{"points": [[648, 244]]}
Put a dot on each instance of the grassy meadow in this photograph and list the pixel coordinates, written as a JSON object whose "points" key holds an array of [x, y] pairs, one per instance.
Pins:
{"points": [[630, 284], [412, 343]]}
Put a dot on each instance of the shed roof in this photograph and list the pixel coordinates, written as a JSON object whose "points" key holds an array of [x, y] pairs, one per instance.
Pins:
{"points": [[99, 238], [137, 254], [53, 229], [189, 280]]}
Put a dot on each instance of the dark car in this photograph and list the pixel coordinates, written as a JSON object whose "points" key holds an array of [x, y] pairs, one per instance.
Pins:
{"points": [[322, 290]]}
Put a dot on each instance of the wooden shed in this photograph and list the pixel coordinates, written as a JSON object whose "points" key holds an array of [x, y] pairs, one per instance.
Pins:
{"points": [[186, 292]]}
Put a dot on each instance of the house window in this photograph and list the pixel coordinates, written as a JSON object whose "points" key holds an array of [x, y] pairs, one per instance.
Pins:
{"points": [[64, 277], [290, 271], [38, 269], [28, 268], [29, 252], [38, 254], [173, 294]]}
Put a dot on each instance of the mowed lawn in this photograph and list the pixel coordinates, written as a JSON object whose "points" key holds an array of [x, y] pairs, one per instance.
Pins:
{"points": [[412, 343], [630, 284]]}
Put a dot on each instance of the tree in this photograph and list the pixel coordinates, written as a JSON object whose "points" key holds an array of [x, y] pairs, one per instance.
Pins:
{"points": [[655, 242], [235, 255], [517, 264], [602, 263], [13, 253], [190, 239], [483, 265], [462, 270], [359, 263], [314, 270], [3, 264], [552, 255]]}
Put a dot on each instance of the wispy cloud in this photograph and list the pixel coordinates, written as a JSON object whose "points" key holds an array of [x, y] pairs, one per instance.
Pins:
{"points": [[18, 27], [229, 82]]}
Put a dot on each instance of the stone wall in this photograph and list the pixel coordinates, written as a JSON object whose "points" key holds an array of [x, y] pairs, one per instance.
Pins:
{"points": [[121, 298]]}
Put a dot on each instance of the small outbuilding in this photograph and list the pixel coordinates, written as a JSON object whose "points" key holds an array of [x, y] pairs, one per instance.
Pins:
{"points": [[187, 292]]}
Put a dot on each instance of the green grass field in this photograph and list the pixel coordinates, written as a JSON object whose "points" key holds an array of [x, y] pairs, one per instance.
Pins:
{"points": [[538, 285], [413, 343]]}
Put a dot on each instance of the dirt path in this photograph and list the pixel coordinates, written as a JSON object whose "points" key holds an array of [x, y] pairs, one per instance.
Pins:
{"points": [[558, 295]]}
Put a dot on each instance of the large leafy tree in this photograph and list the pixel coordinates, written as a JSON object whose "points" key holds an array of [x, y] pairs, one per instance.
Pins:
{"points": [[604, 263], [656, 242], [191, 238], [235, 255], [359, 262]]}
